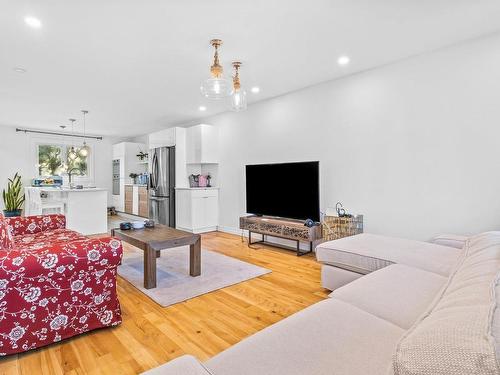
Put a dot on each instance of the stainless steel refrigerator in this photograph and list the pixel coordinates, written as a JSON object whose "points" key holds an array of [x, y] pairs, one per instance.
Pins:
{"points": [[162, 185]]}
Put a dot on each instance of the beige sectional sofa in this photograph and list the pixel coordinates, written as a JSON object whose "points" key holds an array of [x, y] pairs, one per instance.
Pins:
{"points": [[435, 317]]}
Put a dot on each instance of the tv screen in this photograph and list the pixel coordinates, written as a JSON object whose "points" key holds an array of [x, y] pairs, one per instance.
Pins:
{"points": [[288, 190]]}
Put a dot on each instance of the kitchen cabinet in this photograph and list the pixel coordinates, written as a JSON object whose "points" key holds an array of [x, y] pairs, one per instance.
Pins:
{"points": [[173, 137], [143, 201], [197, 210], [202, 144], [162, 138], [136, 200], [129, 194]]}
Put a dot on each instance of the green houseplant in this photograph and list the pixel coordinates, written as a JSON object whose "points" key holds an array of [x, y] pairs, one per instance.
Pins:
{"points": [[13, 197]]}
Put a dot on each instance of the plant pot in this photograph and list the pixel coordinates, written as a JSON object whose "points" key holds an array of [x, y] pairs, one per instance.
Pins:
{"points": [[11, 213]]}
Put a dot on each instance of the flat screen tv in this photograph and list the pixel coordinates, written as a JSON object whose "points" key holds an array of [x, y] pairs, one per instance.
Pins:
{"points": [[288, 190]]}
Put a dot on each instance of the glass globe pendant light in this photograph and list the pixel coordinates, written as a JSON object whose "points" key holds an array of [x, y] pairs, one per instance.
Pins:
{"points": [[72, 155], [239, 96], [216, 87], [84, 150]]}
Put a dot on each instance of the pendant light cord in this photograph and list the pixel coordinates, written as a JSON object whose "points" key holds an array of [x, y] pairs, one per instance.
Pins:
{"points": [[84, 126]]}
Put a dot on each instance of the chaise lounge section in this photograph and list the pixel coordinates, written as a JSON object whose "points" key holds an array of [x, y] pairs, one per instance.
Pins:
{"points": [[54, 283], [347, 259], [399, 319]]}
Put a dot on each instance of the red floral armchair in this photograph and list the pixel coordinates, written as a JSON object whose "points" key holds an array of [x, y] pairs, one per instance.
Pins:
{"points": [[54, 282]]}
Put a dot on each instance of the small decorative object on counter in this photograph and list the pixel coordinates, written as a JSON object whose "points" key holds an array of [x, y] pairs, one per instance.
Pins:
{"points": [[142, 179], [208, 180], [202, 181], [149, 223], [133, 176], [48, 181], [13, 197], [193, 180]]}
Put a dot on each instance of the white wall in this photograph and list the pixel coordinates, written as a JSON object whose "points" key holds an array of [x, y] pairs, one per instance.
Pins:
{"points": [[17, 154], [414, 146]]}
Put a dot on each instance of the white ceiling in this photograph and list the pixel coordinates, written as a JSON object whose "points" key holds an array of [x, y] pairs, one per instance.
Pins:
{"points": [[137, 65]]}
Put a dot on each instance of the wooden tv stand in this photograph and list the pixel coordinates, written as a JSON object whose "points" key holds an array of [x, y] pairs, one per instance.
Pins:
{"points": [[282, 228]]}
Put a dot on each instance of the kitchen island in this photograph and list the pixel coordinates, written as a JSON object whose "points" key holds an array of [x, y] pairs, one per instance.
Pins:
{"points": [[86, 209]]}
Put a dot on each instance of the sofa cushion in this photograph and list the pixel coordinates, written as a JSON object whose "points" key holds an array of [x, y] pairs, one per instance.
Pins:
{"points": [[454, 336], [43, 239], [21, 225], [184, 365], [5, 235], [398, 293], [330, 337], [365, 253], [451, 240]]}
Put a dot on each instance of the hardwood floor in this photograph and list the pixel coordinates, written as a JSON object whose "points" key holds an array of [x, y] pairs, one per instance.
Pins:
{"points": [[203, 326]]}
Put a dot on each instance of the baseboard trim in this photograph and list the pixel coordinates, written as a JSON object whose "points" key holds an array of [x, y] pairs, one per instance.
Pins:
{"points": [[232, 230]]}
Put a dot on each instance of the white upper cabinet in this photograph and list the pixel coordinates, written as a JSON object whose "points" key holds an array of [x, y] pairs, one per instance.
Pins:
{"points": [[119, 150], [202, 144], [162, 138]]}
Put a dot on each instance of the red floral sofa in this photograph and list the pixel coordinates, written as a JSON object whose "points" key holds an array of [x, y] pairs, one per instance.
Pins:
{"points": [[54, 283]]}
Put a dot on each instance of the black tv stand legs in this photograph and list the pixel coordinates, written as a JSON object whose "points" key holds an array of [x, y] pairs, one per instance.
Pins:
{"points": [[265, 242]]}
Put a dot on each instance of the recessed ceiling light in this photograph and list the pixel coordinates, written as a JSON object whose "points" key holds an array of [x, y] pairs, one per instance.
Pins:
{"points": [[255, 90], [19, 69], [343, 60], [202, 108], [33, 22]]}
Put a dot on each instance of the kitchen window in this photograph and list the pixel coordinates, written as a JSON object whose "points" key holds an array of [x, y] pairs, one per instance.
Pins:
{"points": [[55, 160]]}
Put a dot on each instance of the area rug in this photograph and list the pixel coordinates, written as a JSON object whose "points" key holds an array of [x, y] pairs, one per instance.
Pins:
{"points": [[172, 276]]}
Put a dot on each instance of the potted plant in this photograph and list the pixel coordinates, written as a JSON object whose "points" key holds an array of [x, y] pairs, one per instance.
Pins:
{"points": [[142, 156], [13, 197], [133, 176]]}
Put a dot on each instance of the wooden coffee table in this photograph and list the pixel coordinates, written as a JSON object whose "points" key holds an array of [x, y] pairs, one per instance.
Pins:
{"points": [[161, 237]]}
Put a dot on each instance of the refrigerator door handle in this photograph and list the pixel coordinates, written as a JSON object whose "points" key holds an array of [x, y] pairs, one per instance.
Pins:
{"points": [[154, 172]]}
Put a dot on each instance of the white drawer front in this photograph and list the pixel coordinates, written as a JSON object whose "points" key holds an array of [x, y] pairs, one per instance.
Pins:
{"points": [[200, 193]]}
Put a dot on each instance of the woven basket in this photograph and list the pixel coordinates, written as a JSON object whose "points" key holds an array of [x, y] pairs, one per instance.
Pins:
{"points": [[335, 227]]}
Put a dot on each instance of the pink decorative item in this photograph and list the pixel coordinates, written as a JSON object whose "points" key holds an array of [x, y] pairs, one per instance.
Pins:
{"points": [[202, 181], [54, 282]]}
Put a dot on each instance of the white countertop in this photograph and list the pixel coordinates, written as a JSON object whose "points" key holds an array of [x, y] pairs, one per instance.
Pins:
{"points": [[197, 188], [140, 185], [66, 189]]}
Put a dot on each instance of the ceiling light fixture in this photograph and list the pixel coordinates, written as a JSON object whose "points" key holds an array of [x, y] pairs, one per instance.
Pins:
{"points": [[239, 97], [202, 108], [19, 69], [216, 87], [33, 22], [84, 150], [72, 155], [255, 90], [343, 60]]}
